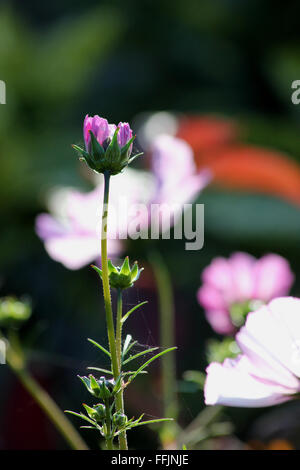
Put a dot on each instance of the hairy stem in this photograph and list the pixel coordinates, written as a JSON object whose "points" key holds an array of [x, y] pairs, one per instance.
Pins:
{"points": [[105, 281], [108, 437], [119, 397], [107, 302]]}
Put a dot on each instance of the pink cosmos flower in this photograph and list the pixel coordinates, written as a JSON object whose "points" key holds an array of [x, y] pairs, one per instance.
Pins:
{"points": [[238, 280], [177, 178], [268, 370], [102, 130], [72, 236]]}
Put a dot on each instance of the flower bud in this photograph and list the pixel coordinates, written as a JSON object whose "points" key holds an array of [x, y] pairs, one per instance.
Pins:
{"points": [[106, 388], [98, 412], [119, 419], [101, 388], [121, 277], [13, 312], [108, 147]]}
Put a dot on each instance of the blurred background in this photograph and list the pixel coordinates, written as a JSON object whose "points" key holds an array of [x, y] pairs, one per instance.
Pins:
{"points": [[226, 69]]}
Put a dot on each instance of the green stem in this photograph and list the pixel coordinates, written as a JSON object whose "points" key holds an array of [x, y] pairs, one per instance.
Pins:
{"points": [[116, 364], [167, 340], [15, 360], [108, 437], [119, 328], [119, 397], [105, 281]]}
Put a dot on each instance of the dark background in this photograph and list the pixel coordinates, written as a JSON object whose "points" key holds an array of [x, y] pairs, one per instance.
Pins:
{"points": [[63, 59]]}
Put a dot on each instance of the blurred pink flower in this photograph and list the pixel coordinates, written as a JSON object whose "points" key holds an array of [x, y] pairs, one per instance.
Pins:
{"points": [[72, 236], [177, 178], [241, 279], [268, 370]]}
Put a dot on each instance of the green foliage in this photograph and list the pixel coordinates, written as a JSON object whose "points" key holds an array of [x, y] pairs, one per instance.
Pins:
{"points": [[106, 390], [217, 350]]}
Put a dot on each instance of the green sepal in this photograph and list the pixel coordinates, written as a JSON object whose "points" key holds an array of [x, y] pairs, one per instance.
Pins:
{"points": [[125, 149], [113, 152], [97, 151], [90, 411], [125, 268], [96, 388], [98, 270], [81, 151], [86, 382], [131, 159], [97, 412], [122, 277], [111, 267]]}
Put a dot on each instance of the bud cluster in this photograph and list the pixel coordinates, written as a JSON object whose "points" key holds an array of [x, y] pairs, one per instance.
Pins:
{"points": [[105, 390]]}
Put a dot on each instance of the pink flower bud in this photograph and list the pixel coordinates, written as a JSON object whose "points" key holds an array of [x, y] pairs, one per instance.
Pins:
{"points": [[124, 135], [99, 127]]}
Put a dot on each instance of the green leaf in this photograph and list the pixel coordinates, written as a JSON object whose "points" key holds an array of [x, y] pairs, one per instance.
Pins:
{"points": [[82, 416], [89, 427], [146, 351], [99, 346], [105, 371], [99, 369], [150, 421], [149, 361], [124, 318]]}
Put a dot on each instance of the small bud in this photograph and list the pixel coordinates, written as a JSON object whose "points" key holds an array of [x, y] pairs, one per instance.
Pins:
{"points": [[101, 412], [101, 388], [119, 419], [106, 388], [121, 277], [97, 412], [13, 312]]}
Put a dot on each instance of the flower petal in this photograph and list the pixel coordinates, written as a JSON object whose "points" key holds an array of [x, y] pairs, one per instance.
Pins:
{"points": [[230, 384], [273, 277], [273, 332]]}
